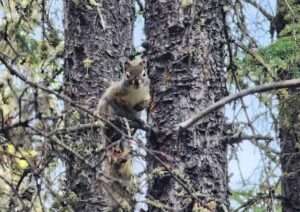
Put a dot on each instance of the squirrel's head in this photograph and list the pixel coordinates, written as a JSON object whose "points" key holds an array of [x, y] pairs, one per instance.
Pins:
{"points": [[135, 72]]}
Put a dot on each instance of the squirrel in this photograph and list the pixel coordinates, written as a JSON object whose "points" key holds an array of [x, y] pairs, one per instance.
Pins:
{"points": [[125, 98], [120, 184], [128, 96]]}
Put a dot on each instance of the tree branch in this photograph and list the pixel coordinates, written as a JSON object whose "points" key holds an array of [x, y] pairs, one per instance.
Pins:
{"points": [[66, 99], [140, 4], [260, 9], [258, 89], [239, 137]]}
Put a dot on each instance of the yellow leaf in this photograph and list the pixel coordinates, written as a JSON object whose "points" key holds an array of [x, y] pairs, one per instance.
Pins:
{"points": [[29, 154], [24, 3], [33, 153], [52, 103], [22, 164], [87, 63], [7, 92], [5, 110], [186, 3], [93, 3], [1, 100], [283, 93], [10, 149]]}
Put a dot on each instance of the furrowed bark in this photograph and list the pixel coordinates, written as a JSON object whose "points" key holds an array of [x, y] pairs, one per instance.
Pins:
{"points": [[289, 113], [186, 66], [97, 36]]}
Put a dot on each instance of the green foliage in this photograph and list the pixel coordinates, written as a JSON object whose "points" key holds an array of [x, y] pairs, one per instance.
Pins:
{"points": [[282, 55], [32, 44], [278, 61], [284, 48], [254, 201], [290, 10]]}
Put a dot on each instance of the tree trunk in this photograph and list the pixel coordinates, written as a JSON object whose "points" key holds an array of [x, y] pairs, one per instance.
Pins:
{"points": [[289, 134], [186, 66], [289, 112], [97, 35]]}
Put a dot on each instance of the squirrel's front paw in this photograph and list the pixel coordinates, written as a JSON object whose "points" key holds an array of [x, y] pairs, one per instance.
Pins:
{"points": [[142, 105]]}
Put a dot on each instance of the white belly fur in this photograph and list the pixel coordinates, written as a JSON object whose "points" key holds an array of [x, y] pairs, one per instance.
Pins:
{"points": [[136, 96]]}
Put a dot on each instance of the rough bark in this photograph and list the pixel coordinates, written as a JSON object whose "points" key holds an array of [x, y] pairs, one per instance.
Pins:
{"points": [[289, 114], [96, 37], [186, 67], [289, 123]]}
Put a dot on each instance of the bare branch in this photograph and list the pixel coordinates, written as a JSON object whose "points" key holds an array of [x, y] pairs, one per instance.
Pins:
{"points": [[239, 137], [260, 9], [140, 4], [258, 89], [58, 95]]}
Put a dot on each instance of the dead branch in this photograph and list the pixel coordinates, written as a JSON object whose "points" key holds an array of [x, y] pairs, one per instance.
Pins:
{"points": [[245, 92]]}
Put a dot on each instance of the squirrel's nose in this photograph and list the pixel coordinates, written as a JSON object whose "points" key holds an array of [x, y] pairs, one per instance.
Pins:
{"points": [[136, 83]]}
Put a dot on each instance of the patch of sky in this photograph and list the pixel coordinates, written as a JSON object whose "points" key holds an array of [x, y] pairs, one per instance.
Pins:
{"points": [[257, 24], [247, 171]]}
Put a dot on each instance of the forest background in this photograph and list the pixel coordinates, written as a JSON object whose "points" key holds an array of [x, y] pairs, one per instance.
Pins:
{"points": [[255, 44]]}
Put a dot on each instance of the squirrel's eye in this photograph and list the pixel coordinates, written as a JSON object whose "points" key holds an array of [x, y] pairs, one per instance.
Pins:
{"points": [[144, 73], [127, 74]]}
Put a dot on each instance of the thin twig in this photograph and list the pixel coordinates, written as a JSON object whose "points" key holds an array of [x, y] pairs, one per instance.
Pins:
{"points": [[140, 4], [260, 9], [60, 96]]}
